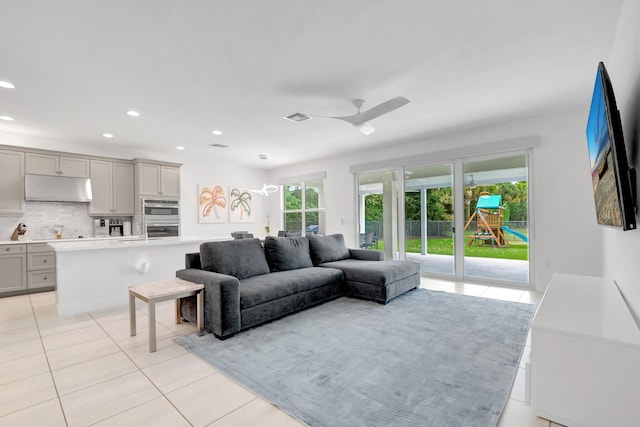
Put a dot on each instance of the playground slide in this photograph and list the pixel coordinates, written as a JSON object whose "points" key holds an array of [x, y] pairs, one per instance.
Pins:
{"points": [[522, 237]]}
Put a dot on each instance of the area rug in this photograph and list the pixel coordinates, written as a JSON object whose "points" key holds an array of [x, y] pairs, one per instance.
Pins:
{"points": [[425, 359]]}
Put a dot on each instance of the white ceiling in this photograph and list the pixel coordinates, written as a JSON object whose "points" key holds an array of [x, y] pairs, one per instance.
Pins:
{"points": [[192, 66]]}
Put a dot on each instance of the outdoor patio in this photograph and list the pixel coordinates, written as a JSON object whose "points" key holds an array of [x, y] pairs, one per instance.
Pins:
{"points": [[483, 268]]}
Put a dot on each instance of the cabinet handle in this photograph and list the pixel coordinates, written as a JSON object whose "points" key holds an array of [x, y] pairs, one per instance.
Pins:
{"points": [[45, 261], [7, 249], [45, 277]]}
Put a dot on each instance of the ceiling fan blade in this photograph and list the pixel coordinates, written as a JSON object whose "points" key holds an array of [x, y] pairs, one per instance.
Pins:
{"points": [[381, 109], [354, 119]]}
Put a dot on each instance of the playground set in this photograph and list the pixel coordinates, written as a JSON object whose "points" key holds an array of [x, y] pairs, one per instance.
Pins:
{"points": [[490, 222]]}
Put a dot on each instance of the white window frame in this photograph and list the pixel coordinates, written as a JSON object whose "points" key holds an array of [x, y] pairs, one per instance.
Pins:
{"points": [[302, 181]]}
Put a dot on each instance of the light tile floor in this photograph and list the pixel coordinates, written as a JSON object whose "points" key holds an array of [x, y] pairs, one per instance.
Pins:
{"points": [[86, 370]]}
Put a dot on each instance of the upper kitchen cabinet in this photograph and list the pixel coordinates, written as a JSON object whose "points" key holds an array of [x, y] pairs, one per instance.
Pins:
{"points": [[51, 164], [112, 185], [154, 179], [12, 182]]}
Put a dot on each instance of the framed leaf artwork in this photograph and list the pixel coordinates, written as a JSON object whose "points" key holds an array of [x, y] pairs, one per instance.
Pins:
{"points": [[213, 204], [240, 205]]}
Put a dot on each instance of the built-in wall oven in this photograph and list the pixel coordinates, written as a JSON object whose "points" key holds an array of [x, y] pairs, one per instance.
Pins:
{"points": [[161, 217]]}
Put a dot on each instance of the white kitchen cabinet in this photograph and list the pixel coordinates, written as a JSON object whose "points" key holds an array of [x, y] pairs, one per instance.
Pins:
{"points": [[112, 185], [12, 182], [51, 164], [41, 266], [12, 268], [158, 180], [584, 367]]}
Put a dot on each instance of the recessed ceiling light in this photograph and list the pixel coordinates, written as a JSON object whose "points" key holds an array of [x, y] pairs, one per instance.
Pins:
{"points": [[7, 85], [216, 132], [179, 147], [107, 135], [133, 113], [7, 118]]}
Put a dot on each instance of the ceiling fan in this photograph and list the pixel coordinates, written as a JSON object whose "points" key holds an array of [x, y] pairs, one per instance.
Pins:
{"points": [[266, 189], [362, 118]]}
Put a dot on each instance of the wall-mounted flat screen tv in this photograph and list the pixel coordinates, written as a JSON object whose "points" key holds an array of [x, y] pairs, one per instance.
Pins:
{"points": [[613, 181]]}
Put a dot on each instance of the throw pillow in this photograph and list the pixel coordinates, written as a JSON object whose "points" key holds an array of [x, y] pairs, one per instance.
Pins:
{"points": [[327, 248], [239, 258], [287, 253]]}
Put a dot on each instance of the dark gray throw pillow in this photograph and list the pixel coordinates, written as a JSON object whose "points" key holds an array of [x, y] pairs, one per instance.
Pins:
{"points": [[239, 258], [327, 248], [287, 253]]}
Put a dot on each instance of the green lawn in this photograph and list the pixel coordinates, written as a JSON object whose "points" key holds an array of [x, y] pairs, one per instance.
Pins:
{"points": [[516, 250]]}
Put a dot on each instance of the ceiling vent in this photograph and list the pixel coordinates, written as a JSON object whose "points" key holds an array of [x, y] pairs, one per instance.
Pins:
{"points": [[218, 145], [298, 117]]}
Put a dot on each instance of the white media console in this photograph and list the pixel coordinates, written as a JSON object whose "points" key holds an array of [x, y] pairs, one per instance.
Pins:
{"points": [[584, 368]]}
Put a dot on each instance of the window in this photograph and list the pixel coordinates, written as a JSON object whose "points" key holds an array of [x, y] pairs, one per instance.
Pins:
{"points": [[303, 208]]}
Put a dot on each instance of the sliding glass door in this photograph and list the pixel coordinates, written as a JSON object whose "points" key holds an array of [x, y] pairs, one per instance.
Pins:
{"points": [[496, 233], [485, 199], [429, 217], [378, 209]]}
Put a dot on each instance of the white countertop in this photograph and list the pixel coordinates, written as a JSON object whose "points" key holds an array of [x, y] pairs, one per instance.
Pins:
{"points": [[61, 245], [25, 241], [119, 243]]}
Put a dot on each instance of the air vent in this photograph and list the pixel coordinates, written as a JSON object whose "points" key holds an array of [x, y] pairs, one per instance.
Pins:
{"points": [[263, 156], [298, 117], [218, 145]]}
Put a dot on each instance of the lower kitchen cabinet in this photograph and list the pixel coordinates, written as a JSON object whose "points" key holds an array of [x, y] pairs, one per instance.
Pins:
{"points": [[26, 268], [41, 266], [13, 268]]}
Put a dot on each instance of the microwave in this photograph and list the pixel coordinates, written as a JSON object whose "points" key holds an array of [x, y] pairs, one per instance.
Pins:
{"points": [[161, 210]]}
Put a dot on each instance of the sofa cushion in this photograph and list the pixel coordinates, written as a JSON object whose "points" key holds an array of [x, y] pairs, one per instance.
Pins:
{"points": [[239, 258], [327, 248], [287, 253], [379, 273], [259, 289]]}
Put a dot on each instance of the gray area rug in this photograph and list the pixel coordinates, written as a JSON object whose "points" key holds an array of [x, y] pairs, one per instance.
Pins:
{"points": [[425, 359]]}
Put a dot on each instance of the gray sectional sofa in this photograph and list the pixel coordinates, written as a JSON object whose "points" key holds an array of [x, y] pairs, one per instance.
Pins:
{"points": [[247, 284]]}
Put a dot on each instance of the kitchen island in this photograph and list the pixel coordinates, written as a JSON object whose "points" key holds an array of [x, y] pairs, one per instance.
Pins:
{"points": [[96, 274]]}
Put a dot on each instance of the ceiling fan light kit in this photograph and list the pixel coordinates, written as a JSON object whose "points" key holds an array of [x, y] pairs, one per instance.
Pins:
{"points": [[366, 128]]}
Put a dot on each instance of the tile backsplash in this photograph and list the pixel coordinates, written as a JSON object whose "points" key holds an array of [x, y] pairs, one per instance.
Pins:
{"points": [[40, 218]]}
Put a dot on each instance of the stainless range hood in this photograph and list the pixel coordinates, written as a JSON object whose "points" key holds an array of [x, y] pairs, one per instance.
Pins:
{"points": [[44, 188]]}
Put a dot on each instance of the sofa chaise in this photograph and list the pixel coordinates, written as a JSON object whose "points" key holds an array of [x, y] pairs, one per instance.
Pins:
{"points": [[247, 284]]}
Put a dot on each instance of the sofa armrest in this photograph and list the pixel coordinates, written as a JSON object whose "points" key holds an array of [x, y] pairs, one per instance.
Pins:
{"points": [[221, 300], [366, 255]]}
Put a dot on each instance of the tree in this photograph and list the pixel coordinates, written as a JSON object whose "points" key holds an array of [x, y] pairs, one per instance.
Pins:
{"points": [[412, 206], [373, 207]]}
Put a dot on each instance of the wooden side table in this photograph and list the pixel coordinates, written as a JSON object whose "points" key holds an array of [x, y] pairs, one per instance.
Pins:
{"points": [[155, 292]]}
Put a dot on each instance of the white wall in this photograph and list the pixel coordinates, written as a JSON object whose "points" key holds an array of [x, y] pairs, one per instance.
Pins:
{"points": [[206, 171], [622, 249], [566, 236]]}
